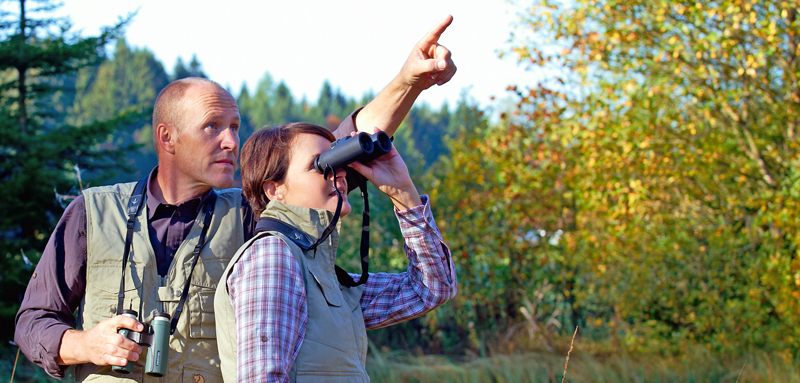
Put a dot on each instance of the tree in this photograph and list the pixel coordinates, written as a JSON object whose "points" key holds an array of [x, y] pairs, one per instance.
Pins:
{"points": [[195, 69], [132, 79], [38, 150], [243, 100], [662, 153], [429, 129]]}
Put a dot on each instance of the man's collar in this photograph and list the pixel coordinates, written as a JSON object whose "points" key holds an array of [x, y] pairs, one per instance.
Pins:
{"points": [[153, 202]]}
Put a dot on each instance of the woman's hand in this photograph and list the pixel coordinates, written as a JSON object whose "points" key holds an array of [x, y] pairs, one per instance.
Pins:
{"points": [[390, 174]]}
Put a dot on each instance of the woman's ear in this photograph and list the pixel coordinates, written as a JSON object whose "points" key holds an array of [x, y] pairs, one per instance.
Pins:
{"points": [[273, 190]]}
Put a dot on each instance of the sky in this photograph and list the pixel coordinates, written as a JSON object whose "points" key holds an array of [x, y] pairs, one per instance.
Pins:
{"points": [[358, 45]]}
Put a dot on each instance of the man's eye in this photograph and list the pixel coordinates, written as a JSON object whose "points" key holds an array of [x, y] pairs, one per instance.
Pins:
{"points": [[211, 126], [235, 128]]}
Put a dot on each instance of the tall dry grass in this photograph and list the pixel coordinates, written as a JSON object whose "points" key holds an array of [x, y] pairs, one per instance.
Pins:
{"points": [[695, 366], [541, 367]]}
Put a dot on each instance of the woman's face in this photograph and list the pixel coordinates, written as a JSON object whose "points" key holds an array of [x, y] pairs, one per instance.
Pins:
{"points": [[303, 185]]}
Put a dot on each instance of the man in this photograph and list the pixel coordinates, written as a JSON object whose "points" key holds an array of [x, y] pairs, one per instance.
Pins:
{"points": [[195, 125]]}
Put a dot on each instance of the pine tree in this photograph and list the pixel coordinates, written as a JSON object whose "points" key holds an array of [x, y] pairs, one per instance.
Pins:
{"points": [[195, 69], [39, 58], [132, 79]]}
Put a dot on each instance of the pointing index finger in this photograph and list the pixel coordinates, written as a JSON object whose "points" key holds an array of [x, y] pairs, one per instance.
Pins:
{"points": [[432, 37]]}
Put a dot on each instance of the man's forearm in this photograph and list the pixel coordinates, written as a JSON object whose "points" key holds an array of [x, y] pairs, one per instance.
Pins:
{"points": [[38, 335], [389, 108], [69, 351]]}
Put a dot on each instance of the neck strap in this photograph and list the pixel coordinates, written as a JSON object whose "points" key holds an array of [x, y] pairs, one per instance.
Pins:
{"points": [[209, 211], [306, 242], [135, 204]]}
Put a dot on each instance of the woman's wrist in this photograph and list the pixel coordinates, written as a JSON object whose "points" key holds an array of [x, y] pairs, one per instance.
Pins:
{"points": [[406, 199]]}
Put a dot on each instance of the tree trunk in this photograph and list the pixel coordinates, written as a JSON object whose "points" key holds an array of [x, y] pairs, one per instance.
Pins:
{"points": [[22, 69]]}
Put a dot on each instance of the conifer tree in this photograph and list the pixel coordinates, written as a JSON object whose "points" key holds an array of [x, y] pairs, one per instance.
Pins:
{"points": [[39, 57]]}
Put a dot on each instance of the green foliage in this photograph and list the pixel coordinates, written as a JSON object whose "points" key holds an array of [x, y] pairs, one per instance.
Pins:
{"points": [[653, 178], [38, 148], [129, 81], [429, 141], [195, 69], [273, 104]]}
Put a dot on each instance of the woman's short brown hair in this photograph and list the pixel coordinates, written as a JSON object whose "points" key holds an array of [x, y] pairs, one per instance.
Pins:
{"points": [[266, 155]]}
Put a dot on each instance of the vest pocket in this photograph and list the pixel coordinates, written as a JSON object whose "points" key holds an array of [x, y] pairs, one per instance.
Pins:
{"points": [[200, 305], [318, 362], [196, 375], [331, 290], [103, 280], [202, 323]]}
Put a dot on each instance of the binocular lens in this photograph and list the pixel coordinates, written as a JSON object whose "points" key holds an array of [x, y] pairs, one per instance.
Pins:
{"points": [[382, 142], [362, 148]]}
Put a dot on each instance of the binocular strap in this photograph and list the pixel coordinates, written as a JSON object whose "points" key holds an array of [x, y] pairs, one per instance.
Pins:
{"points": [[303, 240], [209, 211], [135, 204]]}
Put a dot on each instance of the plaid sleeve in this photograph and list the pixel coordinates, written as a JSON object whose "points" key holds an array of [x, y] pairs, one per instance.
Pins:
{"points": [[429, 282], [269, 301]]}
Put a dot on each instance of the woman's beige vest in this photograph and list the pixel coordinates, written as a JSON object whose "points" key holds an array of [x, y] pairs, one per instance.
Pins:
{"points": [[193, 355], [335, 345]]}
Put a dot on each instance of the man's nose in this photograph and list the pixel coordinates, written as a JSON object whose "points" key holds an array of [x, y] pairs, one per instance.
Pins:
{"points": [[230, 139]]}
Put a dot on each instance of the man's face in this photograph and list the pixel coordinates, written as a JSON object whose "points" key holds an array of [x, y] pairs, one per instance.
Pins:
{"points": [[207, 143]]}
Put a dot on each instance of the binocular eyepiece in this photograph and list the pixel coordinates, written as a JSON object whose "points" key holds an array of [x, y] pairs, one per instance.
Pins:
{"points": [[154, 336], [362, 148]]}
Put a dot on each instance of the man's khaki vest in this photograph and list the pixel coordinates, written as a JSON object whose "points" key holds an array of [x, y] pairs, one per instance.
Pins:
{"points": [[335, 345], [193, 356]]}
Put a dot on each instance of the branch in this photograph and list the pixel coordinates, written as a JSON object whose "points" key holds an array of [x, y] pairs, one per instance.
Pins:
{"points": [[749, 145]]}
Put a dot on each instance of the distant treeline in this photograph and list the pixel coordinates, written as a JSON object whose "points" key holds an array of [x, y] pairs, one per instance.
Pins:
{"points": [[134, 76]]}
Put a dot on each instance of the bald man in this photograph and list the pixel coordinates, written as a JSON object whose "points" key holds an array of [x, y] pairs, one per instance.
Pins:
{"points": [[182, 235]]}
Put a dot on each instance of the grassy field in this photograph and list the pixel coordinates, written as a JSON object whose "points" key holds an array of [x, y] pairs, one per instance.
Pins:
{"points": [[697, 366], [541, 367]]}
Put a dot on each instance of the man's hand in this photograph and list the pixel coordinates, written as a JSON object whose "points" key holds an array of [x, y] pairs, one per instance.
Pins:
{"points": [[101, 345], [429, 63]]}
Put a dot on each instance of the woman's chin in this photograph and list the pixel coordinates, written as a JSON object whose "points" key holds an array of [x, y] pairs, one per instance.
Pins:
{"points": [[346, 209]]}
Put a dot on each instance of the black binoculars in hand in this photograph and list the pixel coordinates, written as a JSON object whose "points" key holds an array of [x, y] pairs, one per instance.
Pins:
{"points": [[154, 336], [362, 148]]}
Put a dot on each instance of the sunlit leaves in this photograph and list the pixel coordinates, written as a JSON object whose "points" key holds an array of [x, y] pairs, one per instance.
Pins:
{"points": [[665, 149]]}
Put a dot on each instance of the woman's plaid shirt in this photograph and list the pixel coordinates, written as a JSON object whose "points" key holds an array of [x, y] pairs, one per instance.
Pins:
{"points": [[268, 295]]}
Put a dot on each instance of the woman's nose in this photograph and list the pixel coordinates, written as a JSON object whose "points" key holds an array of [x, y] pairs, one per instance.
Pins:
{"points": [[340, 174]]}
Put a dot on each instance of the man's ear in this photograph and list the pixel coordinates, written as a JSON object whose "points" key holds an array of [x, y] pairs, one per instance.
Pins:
{"points": [[165, 138], [273, 190]]}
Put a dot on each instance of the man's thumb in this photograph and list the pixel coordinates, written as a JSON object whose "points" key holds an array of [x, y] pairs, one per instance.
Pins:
{"points": [[430, 66]]}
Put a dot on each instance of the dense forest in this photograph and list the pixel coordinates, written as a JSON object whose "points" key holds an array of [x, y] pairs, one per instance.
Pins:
{"points": [[647, 193]]}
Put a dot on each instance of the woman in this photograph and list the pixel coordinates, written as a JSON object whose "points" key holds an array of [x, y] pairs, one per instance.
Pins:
{"points": [[281, 313]]}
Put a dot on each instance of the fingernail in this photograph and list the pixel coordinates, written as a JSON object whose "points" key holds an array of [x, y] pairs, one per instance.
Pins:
{"points": [[441, 64]]}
